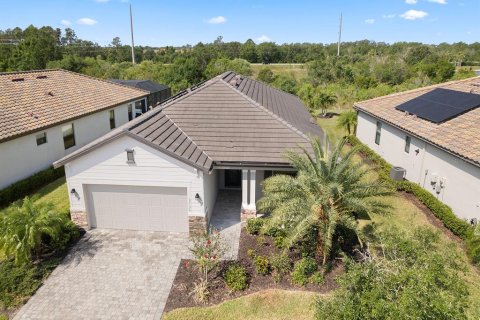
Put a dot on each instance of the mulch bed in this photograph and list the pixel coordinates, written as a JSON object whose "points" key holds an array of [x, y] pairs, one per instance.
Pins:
{"points": [[187, 274]]}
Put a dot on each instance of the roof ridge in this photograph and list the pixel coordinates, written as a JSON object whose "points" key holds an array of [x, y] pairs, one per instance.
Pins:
{"points": [[272, 114], [28, 71], [186, 135], [433, 86]]}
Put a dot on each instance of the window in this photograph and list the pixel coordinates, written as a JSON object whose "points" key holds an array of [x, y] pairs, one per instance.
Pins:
{"points": [[378, 132], [130, 112], [112, 118], [68, 136], [407, 144], [41, 138], [140, 107], [130, 156]]}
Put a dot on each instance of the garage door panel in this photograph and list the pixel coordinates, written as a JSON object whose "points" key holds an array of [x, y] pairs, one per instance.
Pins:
{"points": [[138, 208]]}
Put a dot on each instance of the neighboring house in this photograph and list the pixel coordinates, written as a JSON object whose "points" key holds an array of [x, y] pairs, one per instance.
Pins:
{"points": [[434, 133], [163, 170], [158, 92], [45, 115]]}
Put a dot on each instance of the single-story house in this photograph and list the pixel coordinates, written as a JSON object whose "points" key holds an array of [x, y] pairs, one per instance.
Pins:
{"points": [[434, 134], [158, 92], [45, 115], [162, 171]]}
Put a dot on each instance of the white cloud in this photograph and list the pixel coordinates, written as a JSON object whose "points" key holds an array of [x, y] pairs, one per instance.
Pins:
{"points": [[263, 38], [66, 23], [87, 21], [102, 1], [389, 16], [438, 1], [411, 1], [414, 15], [217, 20], [370, 21]]}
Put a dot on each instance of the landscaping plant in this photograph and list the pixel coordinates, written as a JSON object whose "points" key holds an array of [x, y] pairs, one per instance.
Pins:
{"points": [[24, 228], [262, 265], [328, 191], [303, 269], [411, 276], [280, 264], [348, 121], [254, 225], [236, 277]]}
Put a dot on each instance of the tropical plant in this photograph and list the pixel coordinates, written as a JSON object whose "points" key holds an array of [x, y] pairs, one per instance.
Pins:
{"points": [[324, 100], [23, 228], [327, 192], [303, 269], [207, 248], [348, 121]]}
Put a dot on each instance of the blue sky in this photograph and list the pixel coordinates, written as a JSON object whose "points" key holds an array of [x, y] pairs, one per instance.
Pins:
{"points": [[178, 22]]}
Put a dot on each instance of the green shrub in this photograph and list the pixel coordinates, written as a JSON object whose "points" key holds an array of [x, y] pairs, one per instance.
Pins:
{"points": [[280, 264], [236, 277], [443, 212], [317, 278], [19, 282], [251, 253], [412, 277], [279, 242], [3, 317], [262, 265], [22, 188], [254, 225], [68, 235], [303, 269]]}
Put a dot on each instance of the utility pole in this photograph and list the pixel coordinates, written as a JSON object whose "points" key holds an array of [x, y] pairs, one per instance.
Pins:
{"points": [[131, 30], [339, 36]]}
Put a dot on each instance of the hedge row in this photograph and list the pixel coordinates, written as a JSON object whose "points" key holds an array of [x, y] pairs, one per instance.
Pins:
{"points": [[459, 227], [22, 188]]}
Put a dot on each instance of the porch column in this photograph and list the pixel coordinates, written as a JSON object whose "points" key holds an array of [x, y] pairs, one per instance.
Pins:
{"points": [[244, 189], [253, 180]]}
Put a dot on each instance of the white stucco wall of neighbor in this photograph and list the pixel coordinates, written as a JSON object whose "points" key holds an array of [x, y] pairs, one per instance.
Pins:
{"points": [[451, 179], [108, 165], [21, 157]]}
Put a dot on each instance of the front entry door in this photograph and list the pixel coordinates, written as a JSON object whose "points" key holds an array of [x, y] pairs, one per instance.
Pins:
{"points": [[233, 178]]}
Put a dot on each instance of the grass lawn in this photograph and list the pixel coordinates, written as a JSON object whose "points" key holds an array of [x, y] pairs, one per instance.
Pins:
{"points": [[298, 70], [267, 305]]}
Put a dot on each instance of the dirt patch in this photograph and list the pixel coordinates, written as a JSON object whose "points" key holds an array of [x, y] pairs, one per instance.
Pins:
{"points": [[187, 274]]}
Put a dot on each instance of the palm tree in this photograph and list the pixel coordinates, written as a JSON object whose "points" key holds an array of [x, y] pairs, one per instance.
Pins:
{"points": [[324, 100], [326, 193], [22, 228], [348, 120]]}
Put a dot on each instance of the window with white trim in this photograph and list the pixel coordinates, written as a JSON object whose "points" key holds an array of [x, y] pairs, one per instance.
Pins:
{"points": [[407, 144], [68, 136], [41, 138], [378, 133]]}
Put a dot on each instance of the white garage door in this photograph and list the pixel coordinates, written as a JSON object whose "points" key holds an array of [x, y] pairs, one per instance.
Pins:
{"points": [[138, 208]]}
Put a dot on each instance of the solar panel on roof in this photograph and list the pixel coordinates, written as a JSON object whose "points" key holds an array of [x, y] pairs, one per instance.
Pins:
{"points": [[440, 104]]}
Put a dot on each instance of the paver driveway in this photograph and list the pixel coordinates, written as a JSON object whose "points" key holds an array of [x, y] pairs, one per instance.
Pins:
{"points": [[111, 274]]}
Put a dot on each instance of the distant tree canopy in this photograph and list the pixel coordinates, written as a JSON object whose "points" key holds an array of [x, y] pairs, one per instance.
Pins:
{"points": [[364, 70]]}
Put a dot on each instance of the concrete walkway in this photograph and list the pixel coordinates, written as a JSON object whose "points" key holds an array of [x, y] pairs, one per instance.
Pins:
{"points": [[226, 219], [111, 274]]}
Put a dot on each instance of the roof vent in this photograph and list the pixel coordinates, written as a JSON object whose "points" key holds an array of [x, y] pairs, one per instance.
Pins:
{"points": [[49, 93], [18, 79], [33, 115], [406, 114], [42, 77]]}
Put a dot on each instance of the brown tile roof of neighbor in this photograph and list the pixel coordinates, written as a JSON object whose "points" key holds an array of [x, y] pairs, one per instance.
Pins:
{"points": [[459, 135], [34, 100], [215, 122]]}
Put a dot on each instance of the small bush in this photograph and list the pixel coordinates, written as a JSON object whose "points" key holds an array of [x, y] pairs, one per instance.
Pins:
{"points": [[281, 265], [68, 235], [254, 225], [236, 277], [261, 241], [200, 291], [317, 278], [22, 188], [303, 269], [279, 242], [251, 253], [262, 265]]}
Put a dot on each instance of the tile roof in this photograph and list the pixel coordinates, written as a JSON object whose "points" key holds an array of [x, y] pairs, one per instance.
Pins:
{"points": [[459, 135], [147, 85], [34, 100], [216, 123]]}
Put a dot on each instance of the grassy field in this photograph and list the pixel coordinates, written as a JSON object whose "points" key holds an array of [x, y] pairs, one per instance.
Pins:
{"points": [[298, 70], [265, 305]]}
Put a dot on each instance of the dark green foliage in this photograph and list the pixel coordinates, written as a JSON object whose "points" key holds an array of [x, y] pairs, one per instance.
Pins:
{"points": [[254, 225], [302, 270], [317, 278], [443, 212], [262, 265], [281, 265], [67, 236], [266, 75], [412, 277], [19, 282], [236, 277], [24, 187]]}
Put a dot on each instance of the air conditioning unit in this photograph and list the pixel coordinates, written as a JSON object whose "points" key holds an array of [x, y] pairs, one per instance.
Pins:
{"points": [[398, 173]]}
